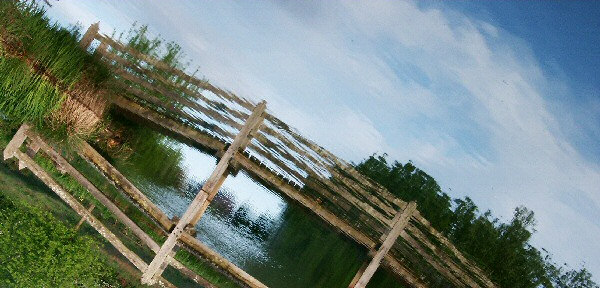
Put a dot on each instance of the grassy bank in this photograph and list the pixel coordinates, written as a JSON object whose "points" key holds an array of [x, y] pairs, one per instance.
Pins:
{"points": [[39, 248], [45, 77], [42, 68]]}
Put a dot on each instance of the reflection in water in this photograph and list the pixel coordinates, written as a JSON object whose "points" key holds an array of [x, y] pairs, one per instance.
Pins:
{"points": [[277, 241]]}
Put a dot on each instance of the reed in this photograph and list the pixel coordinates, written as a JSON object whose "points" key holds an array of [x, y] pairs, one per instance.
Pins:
{"points": [[42, 67]]}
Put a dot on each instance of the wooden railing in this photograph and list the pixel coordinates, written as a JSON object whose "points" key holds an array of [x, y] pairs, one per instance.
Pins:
{"points": [[287, 162]]}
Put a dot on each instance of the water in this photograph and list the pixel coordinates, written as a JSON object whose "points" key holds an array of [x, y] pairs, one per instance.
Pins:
{"points": [[275, 240]]}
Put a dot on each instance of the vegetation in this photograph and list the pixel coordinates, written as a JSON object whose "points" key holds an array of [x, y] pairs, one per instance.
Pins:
{"points": [[502, 249], [152, 155], [42, 67], [36, 250]]}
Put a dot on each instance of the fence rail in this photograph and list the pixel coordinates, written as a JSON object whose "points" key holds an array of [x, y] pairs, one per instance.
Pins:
{"points": [[280, 157]]}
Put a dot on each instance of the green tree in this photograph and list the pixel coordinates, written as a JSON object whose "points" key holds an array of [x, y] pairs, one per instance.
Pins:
{"points": [[501, 249], [411, 184]]}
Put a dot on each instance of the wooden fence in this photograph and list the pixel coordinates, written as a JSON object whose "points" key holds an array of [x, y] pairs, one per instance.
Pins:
{"points": [[244, 136]]}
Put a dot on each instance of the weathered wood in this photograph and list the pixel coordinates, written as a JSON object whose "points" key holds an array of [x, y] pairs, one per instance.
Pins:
{"points": [[210, 187], [102, 198], [175, 98], [83, 218], [335, 160], [32, 149], [161, 65], [209, 199], [418, 236], [401, 221], [16, 142], [89, 35], [88, 152], [344, 193], [433, 262], [213, 105], [187, 239], [444, 241], [279, 184], [187, 132], [80, 209]]}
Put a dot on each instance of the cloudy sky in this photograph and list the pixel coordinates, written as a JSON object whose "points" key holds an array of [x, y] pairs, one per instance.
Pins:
{"points": [[498, 101]]}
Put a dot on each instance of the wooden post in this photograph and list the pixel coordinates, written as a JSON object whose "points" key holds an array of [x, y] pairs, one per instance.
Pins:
{"points": [[89, 35], [60, 161], [15, 143], [210, 187], [79, 208], [400, 222], [88, 153], [119, 180], [233, 165], [83, 218]]}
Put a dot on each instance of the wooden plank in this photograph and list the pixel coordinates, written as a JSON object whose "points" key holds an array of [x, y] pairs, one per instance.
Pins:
{"points": [[187, 239], [266, 176], [120, 215], [89, 35], [80, 209], [213, 105], [384, 202], [438, 236], [335, 160], [189, 133], [209, 199], [401, 221], [433, 262], [209, 189], [16, 142], [87, 152], [417, 235], [161, 65], [83, 219]]}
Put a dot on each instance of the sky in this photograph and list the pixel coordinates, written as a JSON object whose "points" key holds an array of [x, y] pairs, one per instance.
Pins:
{"points": [[498, 101]]}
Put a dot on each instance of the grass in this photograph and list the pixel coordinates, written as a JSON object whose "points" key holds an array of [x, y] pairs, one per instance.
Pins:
{"points": [[41, 67], [29, 32], [26, 97], [36, 225], [24, 188], [41, 64]]}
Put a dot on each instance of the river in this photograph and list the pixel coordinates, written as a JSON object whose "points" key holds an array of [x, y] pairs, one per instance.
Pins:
{"points": [[272, 238]]}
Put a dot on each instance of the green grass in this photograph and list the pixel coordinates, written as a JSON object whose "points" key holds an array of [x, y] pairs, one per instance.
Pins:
{"points": [[22, 187], [37, 246], [24, 96], [37, 250], [40, 62], [54, 47]]}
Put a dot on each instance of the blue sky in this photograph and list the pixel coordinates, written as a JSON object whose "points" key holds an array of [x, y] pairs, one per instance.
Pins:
{"points": [[497, 101]]}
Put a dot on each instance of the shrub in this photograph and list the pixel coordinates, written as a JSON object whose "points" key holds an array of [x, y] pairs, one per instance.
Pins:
{"points": [[36, 250]]}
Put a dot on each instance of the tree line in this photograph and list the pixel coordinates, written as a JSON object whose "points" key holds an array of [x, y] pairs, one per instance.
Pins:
{"points": [[502, 249]]}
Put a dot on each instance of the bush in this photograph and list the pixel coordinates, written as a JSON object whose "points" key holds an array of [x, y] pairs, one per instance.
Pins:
{"points": [[36, 250]]}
